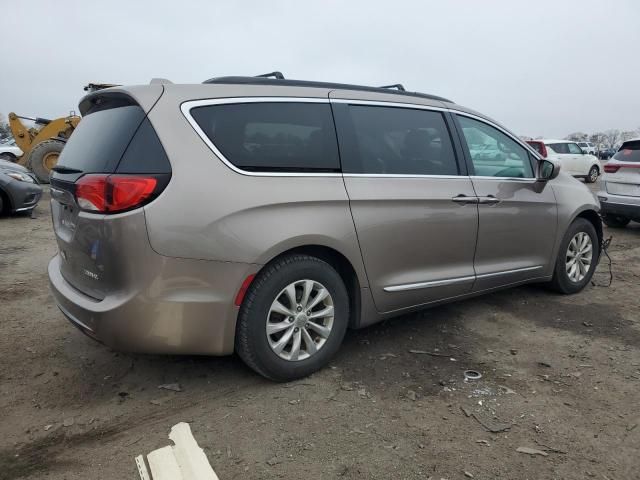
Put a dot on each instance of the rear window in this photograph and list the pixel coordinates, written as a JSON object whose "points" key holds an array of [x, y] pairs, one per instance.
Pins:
{"points": [[120, 140], [629, 152], [272, 136], [582, 144], [101, 138]]}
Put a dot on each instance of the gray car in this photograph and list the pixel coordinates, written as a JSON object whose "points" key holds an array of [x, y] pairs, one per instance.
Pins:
{"points": [[19, 189], [266, 216]]}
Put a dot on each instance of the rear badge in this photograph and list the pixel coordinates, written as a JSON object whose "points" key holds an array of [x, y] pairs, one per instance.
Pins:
{"points": [[89, 273]]}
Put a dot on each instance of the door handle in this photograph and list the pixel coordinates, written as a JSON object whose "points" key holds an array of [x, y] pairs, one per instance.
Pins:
{"points": [[488, 200], [463, 199]]}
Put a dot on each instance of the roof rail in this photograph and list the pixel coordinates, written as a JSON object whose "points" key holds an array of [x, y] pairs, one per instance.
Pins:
{"points": [[275, 74], [397, 86], [282, 82]]}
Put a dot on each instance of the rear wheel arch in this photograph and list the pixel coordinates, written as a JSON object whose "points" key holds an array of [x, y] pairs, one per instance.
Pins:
{"points": [[342, 265]]}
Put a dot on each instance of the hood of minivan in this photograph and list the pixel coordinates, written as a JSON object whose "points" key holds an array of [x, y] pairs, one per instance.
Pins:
{"points": [[6, 165]]}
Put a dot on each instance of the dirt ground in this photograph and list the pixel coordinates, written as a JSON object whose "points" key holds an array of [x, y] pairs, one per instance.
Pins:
{"points": [[560, 375]]}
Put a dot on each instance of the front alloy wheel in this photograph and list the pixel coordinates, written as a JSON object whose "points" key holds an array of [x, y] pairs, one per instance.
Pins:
{"points": [[579, 256], [577, 259]]}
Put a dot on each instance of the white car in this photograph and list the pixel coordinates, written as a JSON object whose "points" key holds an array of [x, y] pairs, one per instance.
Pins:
{"points": [[587, 147], [573, 160], [620, 197], [9, 151]]}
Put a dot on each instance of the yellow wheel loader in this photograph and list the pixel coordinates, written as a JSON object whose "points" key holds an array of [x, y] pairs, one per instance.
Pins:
{"points": [[41, 144]]}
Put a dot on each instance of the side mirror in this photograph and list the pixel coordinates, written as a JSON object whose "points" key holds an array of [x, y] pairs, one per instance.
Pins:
{"points": [[547, 170]]}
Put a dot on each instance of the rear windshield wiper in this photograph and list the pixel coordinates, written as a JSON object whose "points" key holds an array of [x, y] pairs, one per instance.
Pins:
{"points": [[63, 169]]}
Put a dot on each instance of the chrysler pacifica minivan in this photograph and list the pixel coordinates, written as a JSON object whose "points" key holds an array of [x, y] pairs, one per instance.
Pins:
{"points": [[266, 216]]}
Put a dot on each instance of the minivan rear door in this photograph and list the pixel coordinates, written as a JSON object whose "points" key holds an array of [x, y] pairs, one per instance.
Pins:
{"points": [[113, 137], [413, 206]]}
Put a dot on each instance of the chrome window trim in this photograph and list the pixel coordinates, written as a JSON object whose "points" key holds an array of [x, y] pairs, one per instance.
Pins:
{"points": [[401, 175], [506, 179], [456, 280], [378, 103], [186, 107]]}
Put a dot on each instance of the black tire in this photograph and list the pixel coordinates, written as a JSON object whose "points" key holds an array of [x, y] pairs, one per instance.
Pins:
{"points": [[615, 221], [251, 341], [592, 176], [8, 156], [2, 204], [561, 282], [38, 155]]}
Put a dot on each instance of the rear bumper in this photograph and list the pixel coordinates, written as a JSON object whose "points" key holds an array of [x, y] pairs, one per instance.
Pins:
{"points": [[622, 205], [186, 308]]}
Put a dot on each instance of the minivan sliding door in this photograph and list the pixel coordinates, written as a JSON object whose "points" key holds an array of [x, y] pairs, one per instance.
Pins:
{"points": [[413, 206]]}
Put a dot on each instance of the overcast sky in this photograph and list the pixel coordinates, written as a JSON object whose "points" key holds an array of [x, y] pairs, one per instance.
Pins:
{"points": [[540, 67]]}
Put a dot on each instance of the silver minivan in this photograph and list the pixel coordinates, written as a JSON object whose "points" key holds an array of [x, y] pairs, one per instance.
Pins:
{"points": [[265, 216]]}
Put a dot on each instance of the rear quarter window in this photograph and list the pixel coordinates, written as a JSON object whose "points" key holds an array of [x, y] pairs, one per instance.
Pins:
{"points": [[272, 136]]}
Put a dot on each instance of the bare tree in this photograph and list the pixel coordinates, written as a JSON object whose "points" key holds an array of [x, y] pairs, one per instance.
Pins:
{"points": [[612, 137], [577, 137]]}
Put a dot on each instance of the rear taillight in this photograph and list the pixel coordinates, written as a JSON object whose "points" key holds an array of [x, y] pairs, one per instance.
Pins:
{"points": [[614, 167], [114, 193], [543, 149]]}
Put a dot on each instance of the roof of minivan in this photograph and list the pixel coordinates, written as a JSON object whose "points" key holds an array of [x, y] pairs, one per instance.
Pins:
{"points": [[228, 87]]}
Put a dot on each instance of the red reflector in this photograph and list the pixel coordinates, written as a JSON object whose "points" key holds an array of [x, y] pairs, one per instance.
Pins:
{"points": [[611, 168], [113, 193], [243, 289]]}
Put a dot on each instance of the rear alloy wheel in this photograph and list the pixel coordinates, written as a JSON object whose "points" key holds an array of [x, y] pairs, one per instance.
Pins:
{"points": [[300, 320], [293, 318], [615, 221], [577, 258], [593, 174]]}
